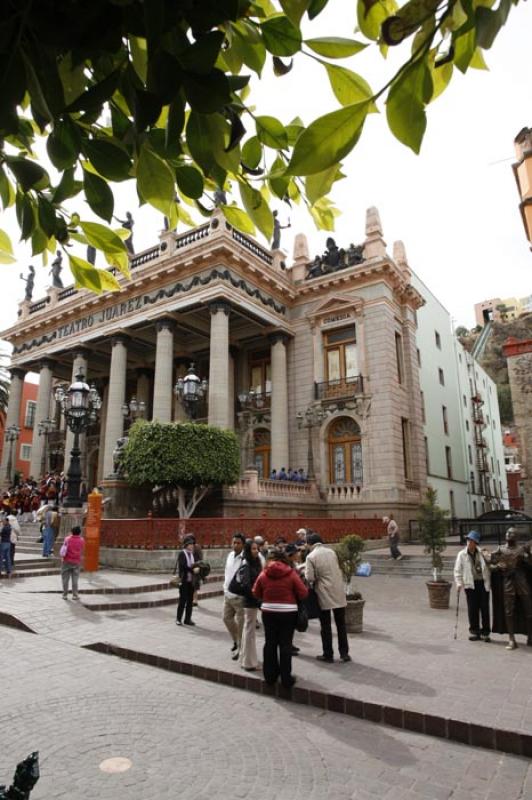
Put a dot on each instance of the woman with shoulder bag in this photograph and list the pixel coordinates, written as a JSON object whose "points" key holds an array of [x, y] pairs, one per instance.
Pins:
{"points": [[249, 572], [187, 570]]}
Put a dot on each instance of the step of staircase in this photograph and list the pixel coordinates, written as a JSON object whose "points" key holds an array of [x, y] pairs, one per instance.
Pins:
{"points": [[408, 566], [136, 600]]}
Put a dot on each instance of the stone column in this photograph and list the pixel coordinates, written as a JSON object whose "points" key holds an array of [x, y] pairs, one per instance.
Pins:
{"points": [[233, 355], [143, 389], [219, 365], [103, 422], [114, 425], [279, 403], [42, 411], [80, 364], [12, 418], [164, 359]]}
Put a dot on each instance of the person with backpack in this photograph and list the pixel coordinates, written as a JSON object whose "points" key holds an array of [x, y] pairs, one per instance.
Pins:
{"points": [[233, 608], [250, 570], [71, 552], [5, 546]]}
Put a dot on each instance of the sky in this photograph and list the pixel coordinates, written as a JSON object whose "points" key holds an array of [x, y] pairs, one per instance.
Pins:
{"points": [[455, 205]]}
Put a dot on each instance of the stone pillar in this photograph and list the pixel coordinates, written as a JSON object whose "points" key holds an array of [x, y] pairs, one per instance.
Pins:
{"points": [[219, 365], [42, 411], [103, 422], [143, 389], [12, 418], [164, 359], [279, 403], [114, 426], [233, 354], [80, 364]]}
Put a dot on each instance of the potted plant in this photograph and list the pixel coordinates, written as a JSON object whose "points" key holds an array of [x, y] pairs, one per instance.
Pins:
{"points": [[349, 552], [433, 529]]}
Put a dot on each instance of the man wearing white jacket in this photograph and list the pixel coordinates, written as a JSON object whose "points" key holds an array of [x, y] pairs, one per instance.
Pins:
{"points": [[472, 573]]}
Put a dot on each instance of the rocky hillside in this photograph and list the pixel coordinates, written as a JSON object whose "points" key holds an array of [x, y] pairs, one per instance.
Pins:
{"points": [[493, 360]]}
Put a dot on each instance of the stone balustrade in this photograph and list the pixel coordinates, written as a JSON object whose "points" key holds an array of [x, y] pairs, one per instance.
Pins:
{"points": [[343, 493]]}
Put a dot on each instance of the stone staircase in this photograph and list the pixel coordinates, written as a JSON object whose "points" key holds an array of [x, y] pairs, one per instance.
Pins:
{"points": [[408, 566], [29, 562]]}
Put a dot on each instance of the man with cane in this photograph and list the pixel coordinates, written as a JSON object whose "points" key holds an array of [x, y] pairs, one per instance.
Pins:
{"points": [[472, 573]]}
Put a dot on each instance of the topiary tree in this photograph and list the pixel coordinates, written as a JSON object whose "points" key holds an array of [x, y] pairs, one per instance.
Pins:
{"points": [[190, 458], [349, 552], [433, 529]]}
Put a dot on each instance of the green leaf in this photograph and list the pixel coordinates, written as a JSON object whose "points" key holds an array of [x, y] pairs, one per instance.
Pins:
{"points": [[108, 159], [335, 46], [488, 23], [28, 174], [155, 181], [294, 9], [200, 57], [238, 219], [190, 181], [316, 7], [6, 249], [63, 145], [324, 213], [464, 49], [257, 209], [372, 13], [174, 124], [478, 62], [95, 97], [320, 184], [7, 193], [405, 106], [120, 261], [252, 153], [85, 275], [72, 78], [327, 140], [108, 282], [281, 37], [102, 238], [39, 241], [98, 195], [441, 77], [139, 55], [248, 46], [271, 132], [199, 142], [348, 87], [207, 93], [66, 188], [277, 179], [46, 214]]}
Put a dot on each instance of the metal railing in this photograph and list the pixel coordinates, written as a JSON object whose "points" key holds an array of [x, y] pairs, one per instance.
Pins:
{"points": [[253, 247], [339, 389]]}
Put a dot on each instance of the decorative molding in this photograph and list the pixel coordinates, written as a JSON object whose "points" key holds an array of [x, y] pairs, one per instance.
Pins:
{"points": [[46, 363], [165, 323], [219, 305], [335, 305], [278, 336], [120, 338]]}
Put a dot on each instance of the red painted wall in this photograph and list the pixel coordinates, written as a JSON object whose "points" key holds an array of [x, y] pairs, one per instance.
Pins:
{"points": [[29, 392]]}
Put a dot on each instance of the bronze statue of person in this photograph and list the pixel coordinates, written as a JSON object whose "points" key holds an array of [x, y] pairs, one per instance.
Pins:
{"points": [[314, 269], [354, 255], [30, 283], [331, 257], [220, 197], [128, 224], [55, 272], [277, 228], [514, 560], [91, 254]]}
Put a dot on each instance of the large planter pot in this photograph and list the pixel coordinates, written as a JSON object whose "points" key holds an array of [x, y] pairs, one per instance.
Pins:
{"points": [[439, 593], [353, 616]]}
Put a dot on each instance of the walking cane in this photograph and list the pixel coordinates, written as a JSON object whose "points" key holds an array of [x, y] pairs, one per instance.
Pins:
{"points": [[457, 610]]}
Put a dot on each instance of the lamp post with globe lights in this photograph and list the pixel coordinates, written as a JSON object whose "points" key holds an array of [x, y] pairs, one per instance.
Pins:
{"points": [[133, 410], [190, 390], [80, 404]]}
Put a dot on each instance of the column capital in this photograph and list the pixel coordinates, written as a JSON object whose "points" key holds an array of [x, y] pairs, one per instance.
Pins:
{"points": [[144, 371], [219, 305], [79, 352], [279, 336], [47, 363], [165, 323], [18, 372], [119, 338]]}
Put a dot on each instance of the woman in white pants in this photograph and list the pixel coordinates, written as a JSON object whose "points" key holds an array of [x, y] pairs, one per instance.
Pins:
{"points": [[250, 570]]}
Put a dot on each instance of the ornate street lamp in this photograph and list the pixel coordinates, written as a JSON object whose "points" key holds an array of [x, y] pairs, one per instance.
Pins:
{"points": [[45, 427], [190, 390], [133, 410], [80, 404], [11, 435], [311, 418], [252, 399]]}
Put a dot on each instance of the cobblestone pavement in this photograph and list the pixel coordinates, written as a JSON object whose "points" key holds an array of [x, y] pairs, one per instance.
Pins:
{"points": [[407, 655], [188, 738]]}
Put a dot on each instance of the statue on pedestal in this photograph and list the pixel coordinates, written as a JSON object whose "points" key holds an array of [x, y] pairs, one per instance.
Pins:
{"points": [[512, 590], [277, 228], [26, 776], [128, 224], [30, 283], [55, 272]]}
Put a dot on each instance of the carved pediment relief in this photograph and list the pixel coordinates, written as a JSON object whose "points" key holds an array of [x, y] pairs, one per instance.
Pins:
{"points": [[334, 308]]}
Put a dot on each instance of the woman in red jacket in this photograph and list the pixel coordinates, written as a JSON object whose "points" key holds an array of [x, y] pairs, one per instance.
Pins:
{"points": [[279, 588]]}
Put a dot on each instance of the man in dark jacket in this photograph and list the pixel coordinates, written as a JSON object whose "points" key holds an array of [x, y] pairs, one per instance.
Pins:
{"points": [[187, 570]]}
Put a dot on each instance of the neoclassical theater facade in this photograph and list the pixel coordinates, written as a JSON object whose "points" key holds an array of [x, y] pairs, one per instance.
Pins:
{"points": [[313, 364]]}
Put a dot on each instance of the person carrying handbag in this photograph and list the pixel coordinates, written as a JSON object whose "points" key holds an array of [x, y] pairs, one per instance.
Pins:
{"points": [[187, 570], [72, 552]]}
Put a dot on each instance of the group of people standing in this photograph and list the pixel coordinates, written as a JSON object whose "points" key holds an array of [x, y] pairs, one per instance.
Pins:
{"points": [[281, 582]]}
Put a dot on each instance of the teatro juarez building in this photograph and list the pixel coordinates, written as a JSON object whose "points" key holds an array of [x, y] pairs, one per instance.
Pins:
{"points": [[313, 363]]}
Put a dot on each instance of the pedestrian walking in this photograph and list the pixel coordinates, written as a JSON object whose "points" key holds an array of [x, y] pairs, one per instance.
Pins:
{"points": [[15, 533], [250, 570], [50, 520], [280, 589], [322, 571], [5, 547], [187, 570], [72, 553], [472, 573], [392, 530], [233, 608]]}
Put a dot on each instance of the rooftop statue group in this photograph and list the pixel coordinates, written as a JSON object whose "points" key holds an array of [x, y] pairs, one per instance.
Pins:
{"points": [[335, 258]]}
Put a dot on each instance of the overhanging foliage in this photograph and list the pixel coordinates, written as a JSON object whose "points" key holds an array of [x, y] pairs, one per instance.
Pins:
{"points": [[156, 91]]}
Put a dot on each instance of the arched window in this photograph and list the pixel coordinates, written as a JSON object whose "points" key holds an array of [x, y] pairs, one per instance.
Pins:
{"points": [[345, 452], [262, 449]]}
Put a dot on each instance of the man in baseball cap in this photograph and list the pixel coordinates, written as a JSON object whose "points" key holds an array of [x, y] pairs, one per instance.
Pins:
{"points": [[472, 573]]}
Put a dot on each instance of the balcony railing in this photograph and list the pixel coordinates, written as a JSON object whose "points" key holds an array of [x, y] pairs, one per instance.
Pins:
{"points": [[257, 401], [339, 389]]}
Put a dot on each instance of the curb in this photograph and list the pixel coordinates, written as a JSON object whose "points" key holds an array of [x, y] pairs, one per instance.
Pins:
{"points": [[505, 741], [12, 622]]}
